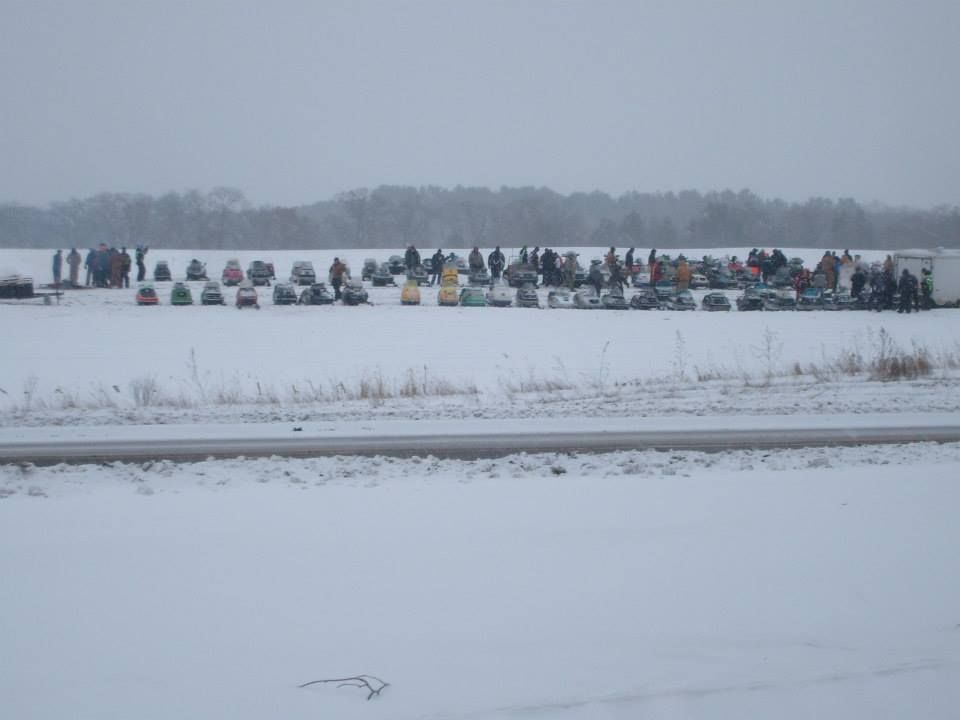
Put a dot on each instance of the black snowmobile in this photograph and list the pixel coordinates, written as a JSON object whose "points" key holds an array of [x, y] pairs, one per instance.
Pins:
{"points": [[196, 270]]}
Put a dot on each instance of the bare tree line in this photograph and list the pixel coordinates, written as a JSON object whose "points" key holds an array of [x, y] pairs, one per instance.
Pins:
{"points": [[461, 217]]}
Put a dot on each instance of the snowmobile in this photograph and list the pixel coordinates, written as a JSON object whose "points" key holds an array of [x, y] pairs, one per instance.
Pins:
{"points": [[146, 295], [810, 299], [843, 300], [369, 268], [410, 295], [418, 275], [383, 276], [449, 293], [211, 294], [258, 273], [180, 294], [715, 301], [354, 293], [499, 295], [519, 275], [284, 294], [645, 299], [753, 298], [614, 300], [698, 281], [664, 290], [396, 265], [560, 298], [586, 299], [683, 300], [830, 300], [316, 294], [782, 300], [161, 271], [527, 297], [721, 279], [196, 270], [472, 297], [247, 297], [782, 278], [599, 266], [479, 277], [232, 274], [302, 273], [459, 263]]}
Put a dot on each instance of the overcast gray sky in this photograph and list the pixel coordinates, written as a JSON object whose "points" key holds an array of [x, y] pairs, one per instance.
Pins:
{"points": [[295, 101]]}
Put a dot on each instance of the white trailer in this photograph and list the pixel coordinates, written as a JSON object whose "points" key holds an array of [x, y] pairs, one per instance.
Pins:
{"points": [[943, 263]]}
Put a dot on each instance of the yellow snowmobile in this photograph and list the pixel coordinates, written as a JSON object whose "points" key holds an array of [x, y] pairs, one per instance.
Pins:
{"points": [[449, 286], [410, 295]]}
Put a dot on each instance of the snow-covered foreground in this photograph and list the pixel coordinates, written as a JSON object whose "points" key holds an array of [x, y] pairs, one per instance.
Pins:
{"points": [[794, 584]]}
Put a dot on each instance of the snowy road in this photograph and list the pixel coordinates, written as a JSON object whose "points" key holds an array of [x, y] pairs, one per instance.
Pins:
{"points": [[467, 439]]}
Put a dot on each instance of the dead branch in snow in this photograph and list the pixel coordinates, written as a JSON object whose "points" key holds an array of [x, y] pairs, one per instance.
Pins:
{"points": [[358, 681]]}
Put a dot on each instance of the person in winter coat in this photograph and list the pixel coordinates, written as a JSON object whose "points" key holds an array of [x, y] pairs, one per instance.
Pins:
{"points": [[857, 281], [877, 289], [57, 267], [411, 258], [141, 262], [628, 262], [91, 265], [926, 289], [103, 266], [656, 272], [524, 255], [475, 259], [610, 259], [801, 282], [546, 266], [496, 261], [337, 272], [124, 268], [116, 268], [436, 262], [651, 259], [570, 270], [907, 288], [828, 268], [616, 278], [683, 275], [73, 261], [535, 258], [595, 276]]}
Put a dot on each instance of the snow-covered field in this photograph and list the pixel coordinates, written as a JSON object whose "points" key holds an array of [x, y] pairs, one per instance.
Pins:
{"points": [[97, 357], [786, 584], [793, 584]]}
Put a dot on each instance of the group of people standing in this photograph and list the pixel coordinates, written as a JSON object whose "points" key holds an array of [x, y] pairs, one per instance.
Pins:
{"points": [[106, 267]]}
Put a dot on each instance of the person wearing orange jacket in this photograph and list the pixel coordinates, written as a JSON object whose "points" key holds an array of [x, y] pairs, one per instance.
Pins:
{"points": [[683, 275]]}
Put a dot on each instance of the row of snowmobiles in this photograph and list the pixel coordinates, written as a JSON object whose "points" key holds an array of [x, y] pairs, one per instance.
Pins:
{"points": [[352, 293], [211, 294], [645, 298], [764, 297]]}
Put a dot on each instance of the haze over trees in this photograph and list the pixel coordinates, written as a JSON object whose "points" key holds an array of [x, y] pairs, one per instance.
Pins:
{"points": [[460, 217]]}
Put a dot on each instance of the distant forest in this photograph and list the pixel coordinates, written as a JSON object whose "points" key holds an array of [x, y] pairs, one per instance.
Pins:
{"points": [[461, 217]]}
